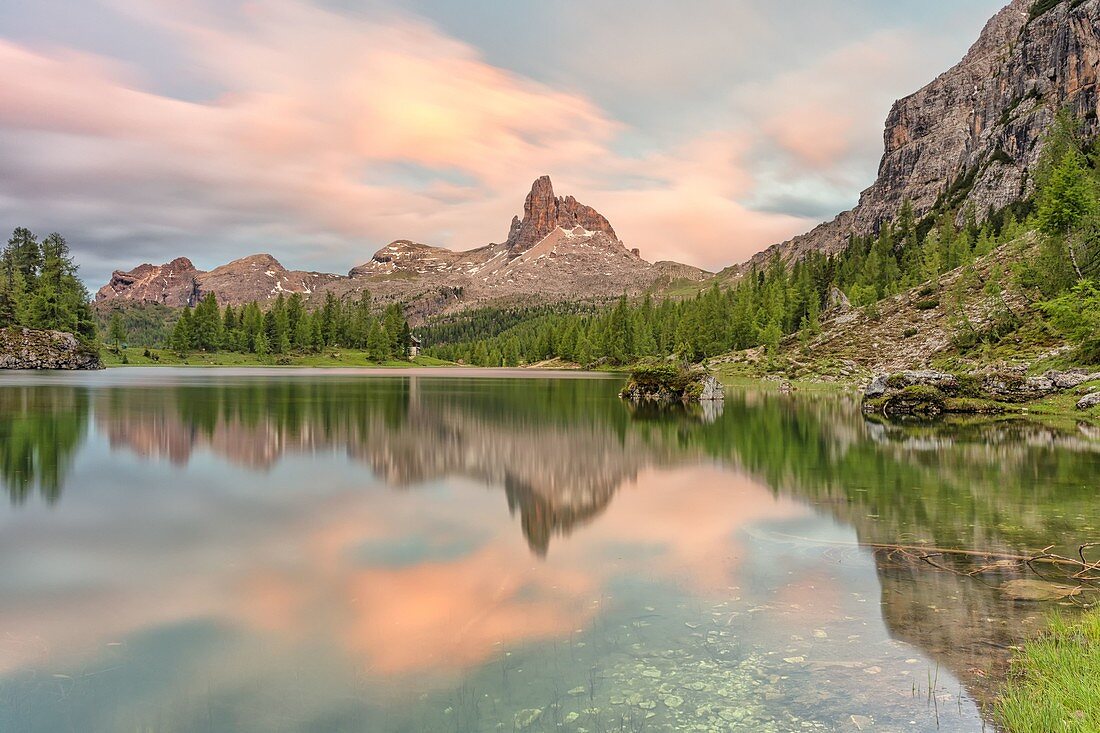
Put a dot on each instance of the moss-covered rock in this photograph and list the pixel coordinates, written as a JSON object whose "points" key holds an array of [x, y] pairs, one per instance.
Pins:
{"points": [[26, 348], [928, 393], [917, 400], [664, 382]]}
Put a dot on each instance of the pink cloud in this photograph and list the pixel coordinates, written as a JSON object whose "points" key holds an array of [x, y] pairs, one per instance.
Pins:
{"points": [[313, 103]]}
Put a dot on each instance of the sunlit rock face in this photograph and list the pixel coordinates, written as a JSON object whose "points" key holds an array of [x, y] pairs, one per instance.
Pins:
{"points": [[976, 131], [560, 250], [543, 212], [176, 284], [173, 284]]}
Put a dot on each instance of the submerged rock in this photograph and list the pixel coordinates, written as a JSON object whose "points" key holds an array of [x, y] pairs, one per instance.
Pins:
{"points": [[25, 348], [1037, 590], [526, 718], [668, 383]]}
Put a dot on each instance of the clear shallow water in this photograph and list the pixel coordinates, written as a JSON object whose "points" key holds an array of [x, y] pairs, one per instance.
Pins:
{"points": [[339, 551]]}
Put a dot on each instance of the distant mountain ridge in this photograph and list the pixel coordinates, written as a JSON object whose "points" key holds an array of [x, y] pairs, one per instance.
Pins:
{"points": [[560, 250], [966, 141], [972, 135]]}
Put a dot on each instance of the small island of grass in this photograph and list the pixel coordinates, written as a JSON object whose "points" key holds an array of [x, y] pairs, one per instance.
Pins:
{"points": [[668, 382]]}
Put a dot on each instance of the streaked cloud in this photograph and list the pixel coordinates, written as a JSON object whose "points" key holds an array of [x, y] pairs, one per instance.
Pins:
{"points": [[320, 133]]}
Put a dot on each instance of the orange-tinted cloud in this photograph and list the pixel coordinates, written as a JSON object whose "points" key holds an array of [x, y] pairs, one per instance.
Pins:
{"points": [[314, 110]]}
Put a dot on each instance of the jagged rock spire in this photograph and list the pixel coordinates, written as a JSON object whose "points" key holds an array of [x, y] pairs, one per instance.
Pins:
{"points": [[543, 212]]}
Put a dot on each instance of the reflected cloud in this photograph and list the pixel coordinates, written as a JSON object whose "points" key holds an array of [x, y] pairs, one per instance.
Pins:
{"points": [[371, 517]]}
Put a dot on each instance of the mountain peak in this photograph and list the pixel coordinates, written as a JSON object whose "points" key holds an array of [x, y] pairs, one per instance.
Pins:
{"points": [[543, 212], [969, 139]]}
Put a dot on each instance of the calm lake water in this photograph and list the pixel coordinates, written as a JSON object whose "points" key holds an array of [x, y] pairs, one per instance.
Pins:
{"points": [[251, 550]]}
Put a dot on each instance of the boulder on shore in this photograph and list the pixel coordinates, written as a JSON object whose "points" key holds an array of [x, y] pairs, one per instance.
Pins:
{"points": [[668, 383], [1089, 401], [26, 348], [928, 393]]}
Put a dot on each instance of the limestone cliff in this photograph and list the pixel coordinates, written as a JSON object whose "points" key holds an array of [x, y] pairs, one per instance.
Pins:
{"points": [[972, 136], [543, 212], [561, 250]]}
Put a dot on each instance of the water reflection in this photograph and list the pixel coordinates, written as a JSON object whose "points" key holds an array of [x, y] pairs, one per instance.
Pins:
{"points": [[224, 541], [40, 429]]}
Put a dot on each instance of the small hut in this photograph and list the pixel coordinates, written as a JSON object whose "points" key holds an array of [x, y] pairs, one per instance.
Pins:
{"points": [[413, 347]]}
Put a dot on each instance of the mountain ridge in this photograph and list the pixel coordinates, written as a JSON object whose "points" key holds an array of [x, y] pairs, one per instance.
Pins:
{"points": [[970, 137], [965, 142], [560, 250]]}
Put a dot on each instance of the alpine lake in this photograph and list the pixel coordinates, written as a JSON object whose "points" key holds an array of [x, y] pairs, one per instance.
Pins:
{"points": [[462, 550]]}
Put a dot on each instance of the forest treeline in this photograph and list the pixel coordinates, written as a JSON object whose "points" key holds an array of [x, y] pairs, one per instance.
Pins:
{"points": [[286, 325], [781, 299], [39, 287]]}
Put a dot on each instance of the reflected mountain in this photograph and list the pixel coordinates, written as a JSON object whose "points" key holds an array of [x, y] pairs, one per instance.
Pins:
{"points": [[551, 445], [560, 450]]}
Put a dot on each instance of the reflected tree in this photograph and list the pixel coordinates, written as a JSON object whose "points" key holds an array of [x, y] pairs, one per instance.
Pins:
{"points": [[41, 430]]}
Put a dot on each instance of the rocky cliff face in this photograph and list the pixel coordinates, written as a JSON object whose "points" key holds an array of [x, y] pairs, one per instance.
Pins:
{"points": [[179, 283], [543, 212], [25, 348], [174, 283], [972, 136], [560, 250]]}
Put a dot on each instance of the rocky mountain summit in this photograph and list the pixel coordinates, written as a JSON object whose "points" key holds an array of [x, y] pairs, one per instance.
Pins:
{"points": [[971, 136], [179, 283], [560, 250]]}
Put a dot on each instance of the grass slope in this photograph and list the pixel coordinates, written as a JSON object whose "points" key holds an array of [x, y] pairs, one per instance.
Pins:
{"points": [[942, 323], [1056, 682]]}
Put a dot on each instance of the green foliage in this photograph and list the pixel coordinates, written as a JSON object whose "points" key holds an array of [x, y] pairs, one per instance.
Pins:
{"points": [[1054, 687], [116, 333], [1041, 7], [39, 287], [1076, 314], [145, 324], [1068, 197], [665, 374], [287, 327]]}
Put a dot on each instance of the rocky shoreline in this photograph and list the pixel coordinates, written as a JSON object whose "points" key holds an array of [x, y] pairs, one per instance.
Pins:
{"points": [[25, 348], [929, 393]]}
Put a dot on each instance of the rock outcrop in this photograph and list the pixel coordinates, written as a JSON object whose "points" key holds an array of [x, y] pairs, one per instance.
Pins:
{"points": [[1089, 401], [971, 136], [666, 384], [560, 250], [25, 348], [929, 393], [173, 284], [179, 283], [543, 212]]}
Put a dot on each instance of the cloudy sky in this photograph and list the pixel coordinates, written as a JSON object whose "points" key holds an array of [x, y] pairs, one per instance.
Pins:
{"points": [[320, 130]]}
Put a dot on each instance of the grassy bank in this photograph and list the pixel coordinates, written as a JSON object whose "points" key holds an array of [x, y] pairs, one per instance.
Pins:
{"points": [[329, 358], [1056, 680]]}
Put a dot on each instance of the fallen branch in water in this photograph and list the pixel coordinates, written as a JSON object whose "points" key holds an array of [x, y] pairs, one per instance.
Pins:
{"points": [[1081, 572]]}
